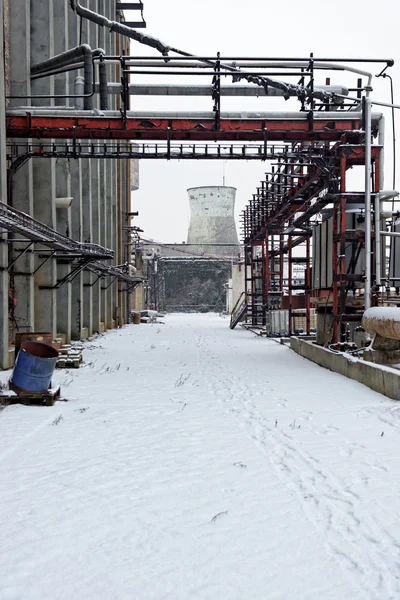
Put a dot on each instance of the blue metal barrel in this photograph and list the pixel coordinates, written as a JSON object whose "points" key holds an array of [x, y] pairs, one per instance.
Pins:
{"points": [[33, 368]]}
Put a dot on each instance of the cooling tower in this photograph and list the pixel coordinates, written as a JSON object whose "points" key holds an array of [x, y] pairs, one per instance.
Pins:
{"points": [[212, 223]]}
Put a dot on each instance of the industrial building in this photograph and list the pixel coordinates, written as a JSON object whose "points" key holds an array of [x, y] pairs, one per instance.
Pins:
{"points": [[64, 218]]}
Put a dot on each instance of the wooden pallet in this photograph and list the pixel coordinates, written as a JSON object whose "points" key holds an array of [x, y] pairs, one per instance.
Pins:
{"points": [[45, 399], [69, 363]]}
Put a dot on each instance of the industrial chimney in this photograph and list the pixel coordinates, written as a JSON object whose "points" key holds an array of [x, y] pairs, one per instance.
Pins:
{"points": [[212, 223]]}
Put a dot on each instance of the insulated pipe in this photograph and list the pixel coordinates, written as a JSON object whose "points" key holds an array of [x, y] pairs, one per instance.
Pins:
{"points": [[75, 55], [206, 90], [67, 58], [103, 85], [368, 135], [68, 61], [390, 233], [88, 80], [164, 49], [79, 87], [236, 66], [85, 13], [149, 114], [378, 199]]}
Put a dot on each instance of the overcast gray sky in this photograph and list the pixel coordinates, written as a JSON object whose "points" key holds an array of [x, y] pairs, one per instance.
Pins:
{"points": [[345, 28]]}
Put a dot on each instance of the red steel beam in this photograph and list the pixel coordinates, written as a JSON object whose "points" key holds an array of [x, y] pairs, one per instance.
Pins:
{"points": [[91, 127]]}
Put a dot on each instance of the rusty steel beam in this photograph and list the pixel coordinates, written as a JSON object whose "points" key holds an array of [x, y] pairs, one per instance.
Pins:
{"points": [[99, 127]]}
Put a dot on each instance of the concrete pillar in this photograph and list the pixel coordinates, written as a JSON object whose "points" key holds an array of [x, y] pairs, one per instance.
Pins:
{"points": [[76, 234], [87, 236], [42, 47], [22, 181], [76, 226], [103, 239], [63, 177], [63, 215], [96, 292], [4, 354]]}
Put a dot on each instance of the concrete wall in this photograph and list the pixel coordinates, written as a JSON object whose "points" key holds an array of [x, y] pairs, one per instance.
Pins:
{"points": [[384, 380]]}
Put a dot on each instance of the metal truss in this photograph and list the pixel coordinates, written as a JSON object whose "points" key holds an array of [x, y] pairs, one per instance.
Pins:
{"points": [[271, 128], [67, 251], [18, 153], [281, 215]]}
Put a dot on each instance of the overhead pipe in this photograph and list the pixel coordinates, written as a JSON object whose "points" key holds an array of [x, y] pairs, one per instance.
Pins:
{"points": [[69, 60], [148, 40], [149, 114], [206, 90], [69, 57], [287, 89]]}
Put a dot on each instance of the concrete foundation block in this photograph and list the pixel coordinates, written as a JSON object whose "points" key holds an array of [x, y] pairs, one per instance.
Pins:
{"points": [[379, 378]]}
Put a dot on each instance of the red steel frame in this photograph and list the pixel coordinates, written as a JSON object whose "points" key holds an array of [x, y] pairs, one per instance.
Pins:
{"points": [[98, 127], [293, 201], [280, 216]]}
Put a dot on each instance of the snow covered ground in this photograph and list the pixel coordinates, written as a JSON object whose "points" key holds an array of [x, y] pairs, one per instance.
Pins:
{"points": [[194, 462]]}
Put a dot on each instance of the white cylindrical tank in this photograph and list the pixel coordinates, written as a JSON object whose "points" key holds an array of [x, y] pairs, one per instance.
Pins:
{"points": [[212, 223]]}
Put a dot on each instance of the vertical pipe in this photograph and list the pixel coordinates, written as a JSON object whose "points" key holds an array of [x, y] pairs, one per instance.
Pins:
{"points": [[79, 90], [378, 268], [368, 134], [335, 300], [252, 283], [281, 242], [266, 275], [103, 85], [308, 285], [88, 71], [290, 281], [378, 239]]}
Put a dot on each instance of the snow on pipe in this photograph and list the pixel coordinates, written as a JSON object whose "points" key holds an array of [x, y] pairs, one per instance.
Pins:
{"points": [[119, 28], [288, 90], [256, 115], [74, 56], [206, 90], [69, 57]]}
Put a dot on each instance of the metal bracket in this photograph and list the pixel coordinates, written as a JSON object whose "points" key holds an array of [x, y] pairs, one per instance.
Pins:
{"points": [[216, 93], [110, 284], [43, 263], [10, 266]]}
